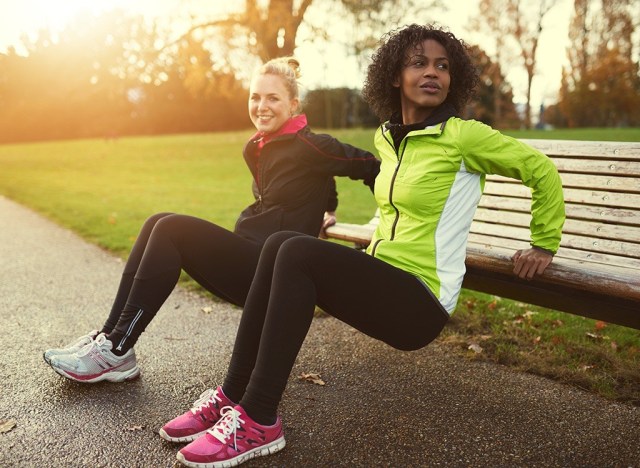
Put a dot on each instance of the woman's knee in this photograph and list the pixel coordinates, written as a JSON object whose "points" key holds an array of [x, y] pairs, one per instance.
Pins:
{"points": [[276, 240], [153, 220], [169, 223], [420, 335]]}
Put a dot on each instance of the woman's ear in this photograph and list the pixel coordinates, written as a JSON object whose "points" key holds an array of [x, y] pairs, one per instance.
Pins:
{"points": [[295, 104]]}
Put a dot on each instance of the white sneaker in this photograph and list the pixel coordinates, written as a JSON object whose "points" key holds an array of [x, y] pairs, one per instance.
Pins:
{"points": [[74, 347], [95, 362]]}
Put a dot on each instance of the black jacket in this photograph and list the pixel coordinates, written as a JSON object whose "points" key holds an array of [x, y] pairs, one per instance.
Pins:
{"points": [[293, 179]]}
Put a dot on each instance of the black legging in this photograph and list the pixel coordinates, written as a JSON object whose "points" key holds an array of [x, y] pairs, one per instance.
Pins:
{"points": [[219, 260], [296, 272]]}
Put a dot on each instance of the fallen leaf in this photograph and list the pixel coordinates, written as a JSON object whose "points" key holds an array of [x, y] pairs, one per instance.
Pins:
{"points": [[586, 368], [476, 348], [537, 340], [600, 325], [492, 305], [594, 336], [614, 346], [6, 425], [313, 378], [207, 310], [135, 428]]}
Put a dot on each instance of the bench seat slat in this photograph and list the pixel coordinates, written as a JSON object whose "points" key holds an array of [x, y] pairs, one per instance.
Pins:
{"points": [[356, 233], [608, 280]]}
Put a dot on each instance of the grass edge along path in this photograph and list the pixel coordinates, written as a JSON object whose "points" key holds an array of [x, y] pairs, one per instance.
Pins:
{"points": [[103, 190]]}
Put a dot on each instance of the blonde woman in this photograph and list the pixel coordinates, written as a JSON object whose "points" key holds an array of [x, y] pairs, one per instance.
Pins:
{"points": [[293, 170]]}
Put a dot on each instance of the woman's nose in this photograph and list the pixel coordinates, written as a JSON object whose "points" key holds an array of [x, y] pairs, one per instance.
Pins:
{"points": [[429, 70]]}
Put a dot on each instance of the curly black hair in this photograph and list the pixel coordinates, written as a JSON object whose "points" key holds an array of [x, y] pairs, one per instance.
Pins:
{"points": [[390, 58]]}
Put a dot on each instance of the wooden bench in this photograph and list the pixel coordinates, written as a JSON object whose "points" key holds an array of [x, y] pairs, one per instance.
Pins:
{"points": [[596, 272]]}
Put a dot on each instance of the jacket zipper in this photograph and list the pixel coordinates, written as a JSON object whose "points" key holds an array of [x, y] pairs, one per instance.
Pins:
{"points": [[403, 145], [260, 173]]}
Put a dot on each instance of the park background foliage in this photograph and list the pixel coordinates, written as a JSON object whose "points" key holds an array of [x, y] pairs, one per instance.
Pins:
{"points": [[115, 74]]}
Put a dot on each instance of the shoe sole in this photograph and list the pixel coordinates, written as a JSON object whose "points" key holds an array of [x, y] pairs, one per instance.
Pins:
{"points": [[189, 438], [268, 449], [114, 376], [44, 356]]}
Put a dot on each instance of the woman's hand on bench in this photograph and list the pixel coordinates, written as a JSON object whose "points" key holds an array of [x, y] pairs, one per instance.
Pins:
{"points": [[530, 262], [329, 220]]}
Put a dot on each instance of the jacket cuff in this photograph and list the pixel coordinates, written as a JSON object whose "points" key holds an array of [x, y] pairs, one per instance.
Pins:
{"points": [[543, 250]]}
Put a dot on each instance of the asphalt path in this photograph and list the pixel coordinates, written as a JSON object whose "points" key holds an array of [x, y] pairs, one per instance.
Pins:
{"points": [[379, 406]]}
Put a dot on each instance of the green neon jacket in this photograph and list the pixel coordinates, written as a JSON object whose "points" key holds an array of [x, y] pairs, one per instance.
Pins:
{"points": [[428, 190]]}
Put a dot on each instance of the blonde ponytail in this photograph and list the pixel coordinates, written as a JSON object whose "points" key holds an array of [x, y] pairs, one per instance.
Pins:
{"points": [[286, 67]]}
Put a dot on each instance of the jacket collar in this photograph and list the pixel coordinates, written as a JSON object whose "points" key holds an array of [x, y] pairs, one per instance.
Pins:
{"points": [[291, 126], [398, 130]]}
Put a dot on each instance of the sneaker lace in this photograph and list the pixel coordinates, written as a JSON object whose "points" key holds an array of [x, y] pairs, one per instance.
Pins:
{"points": [[208, 397], [229, 423], [97, 341]]}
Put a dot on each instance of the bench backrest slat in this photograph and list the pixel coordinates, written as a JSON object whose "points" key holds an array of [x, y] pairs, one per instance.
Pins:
{"points": [[596, 149], [601, 185], [597, 166], [581, 181], [590, 196], [592, 228], [569, 241], [489, 240], [596, 213]]}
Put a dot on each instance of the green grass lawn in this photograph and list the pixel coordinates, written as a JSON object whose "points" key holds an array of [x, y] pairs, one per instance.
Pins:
{"points": [[104, 190]]}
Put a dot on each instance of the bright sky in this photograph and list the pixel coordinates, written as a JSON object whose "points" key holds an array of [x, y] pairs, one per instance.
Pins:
{"points": [[27, 16]]}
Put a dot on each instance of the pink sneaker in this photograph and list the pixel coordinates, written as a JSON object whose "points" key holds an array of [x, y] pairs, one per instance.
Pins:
{"points": [[234, 439], [195, 422]]}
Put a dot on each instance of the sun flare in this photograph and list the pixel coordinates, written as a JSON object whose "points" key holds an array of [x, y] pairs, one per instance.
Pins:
{"points": [[54, 15]]}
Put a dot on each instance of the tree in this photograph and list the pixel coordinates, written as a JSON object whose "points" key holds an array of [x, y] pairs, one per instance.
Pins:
{"points": [[522, 22], [270, 28], [103, 76], [601, 87], [492, 20], [493, 104]]}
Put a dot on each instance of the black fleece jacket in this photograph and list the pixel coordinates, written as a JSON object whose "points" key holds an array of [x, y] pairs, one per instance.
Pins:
{"points": [[293, 179]]}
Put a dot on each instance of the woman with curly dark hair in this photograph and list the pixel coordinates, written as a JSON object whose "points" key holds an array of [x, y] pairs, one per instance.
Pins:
{"points": [[404, 288], [380, 89]]}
